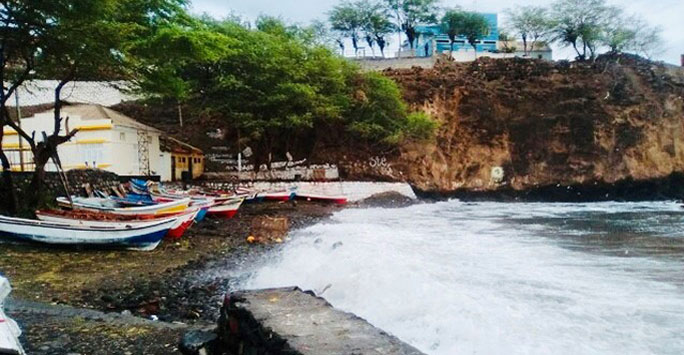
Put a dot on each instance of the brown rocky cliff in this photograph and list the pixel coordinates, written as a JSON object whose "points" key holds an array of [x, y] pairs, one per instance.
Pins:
{"points": [[544, 123]]}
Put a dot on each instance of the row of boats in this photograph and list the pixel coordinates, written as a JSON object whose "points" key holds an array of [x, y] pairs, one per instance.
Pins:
{"points": [[140, 219]]}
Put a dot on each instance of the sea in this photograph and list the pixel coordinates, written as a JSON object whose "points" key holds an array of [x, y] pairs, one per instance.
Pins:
{"points": [[457, 277]]}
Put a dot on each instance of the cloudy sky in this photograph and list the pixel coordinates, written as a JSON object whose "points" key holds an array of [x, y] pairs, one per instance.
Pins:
{"points": [[669, 14]]}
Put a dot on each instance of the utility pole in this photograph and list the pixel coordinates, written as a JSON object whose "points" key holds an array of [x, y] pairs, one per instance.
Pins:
{"points": [[21, 147], [180, 114]]}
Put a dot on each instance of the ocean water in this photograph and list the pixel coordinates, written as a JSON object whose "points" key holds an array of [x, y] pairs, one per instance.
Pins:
{"points": [[500, 278]]}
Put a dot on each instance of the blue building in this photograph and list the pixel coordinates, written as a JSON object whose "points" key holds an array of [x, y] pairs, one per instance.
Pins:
{"points": [[431, 36]]}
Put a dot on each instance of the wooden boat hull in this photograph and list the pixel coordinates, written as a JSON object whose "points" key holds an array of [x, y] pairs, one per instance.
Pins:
{"points": [[226, 209], [99, 205], [183, 222], [279, 196], [340, 200], [143, 238]]}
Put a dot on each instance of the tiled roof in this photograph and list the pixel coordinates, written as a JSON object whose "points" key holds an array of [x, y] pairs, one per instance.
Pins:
{"points": [[98, 112], [40, 92]]}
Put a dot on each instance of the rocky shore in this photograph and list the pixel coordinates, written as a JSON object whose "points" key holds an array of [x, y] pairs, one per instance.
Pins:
{"points": [[118, 302]]}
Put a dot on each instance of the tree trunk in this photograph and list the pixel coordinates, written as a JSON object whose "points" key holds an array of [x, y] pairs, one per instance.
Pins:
{"points": [[524, 38], [8, 184], [41, 157]]}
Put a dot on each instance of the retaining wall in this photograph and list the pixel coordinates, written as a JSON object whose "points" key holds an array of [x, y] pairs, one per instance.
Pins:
{"points": [[289, 321]]}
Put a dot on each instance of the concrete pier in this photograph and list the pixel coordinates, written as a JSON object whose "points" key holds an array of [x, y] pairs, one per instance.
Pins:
{"points": [[290, 321]]}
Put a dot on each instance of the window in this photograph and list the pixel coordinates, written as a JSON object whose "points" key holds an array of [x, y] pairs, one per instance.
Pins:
{"points": [[122, 136]]}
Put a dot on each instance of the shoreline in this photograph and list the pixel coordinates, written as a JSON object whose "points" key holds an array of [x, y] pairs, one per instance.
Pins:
{"points": [[164, 285]]}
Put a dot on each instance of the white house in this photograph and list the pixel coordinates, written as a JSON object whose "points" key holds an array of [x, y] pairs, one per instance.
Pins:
{"points": [[106, 140]]}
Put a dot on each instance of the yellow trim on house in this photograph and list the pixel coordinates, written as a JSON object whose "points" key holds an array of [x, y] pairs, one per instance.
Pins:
{"points": [[100, 127], [9, 132], [83, 166], [92, 141], [10, 145]]}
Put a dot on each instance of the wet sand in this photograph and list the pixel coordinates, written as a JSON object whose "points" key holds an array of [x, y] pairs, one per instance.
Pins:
{"points": [[55, 291]]}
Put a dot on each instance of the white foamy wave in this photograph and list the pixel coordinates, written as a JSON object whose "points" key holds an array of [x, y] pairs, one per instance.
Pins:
{"points": [[489, 278]]}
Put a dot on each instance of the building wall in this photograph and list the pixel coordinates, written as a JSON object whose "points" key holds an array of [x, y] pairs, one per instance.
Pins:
{"points": [[432, 39], [99, 144], [182, 162]]}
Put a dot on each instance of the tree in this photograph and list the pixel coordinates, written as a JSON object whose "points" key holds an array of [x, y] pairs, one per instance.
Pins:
{"points": [[348, 18], [474, 27], [531, 23], [80, 40], [20, 22], [409, 13], [579, 23], [376, 25], [631, 34], [452, 24]]}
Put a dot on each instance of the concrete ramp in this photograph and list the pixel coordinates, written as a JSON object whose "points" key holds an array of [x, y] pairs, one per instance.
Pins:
{"points": [[290, 321]]}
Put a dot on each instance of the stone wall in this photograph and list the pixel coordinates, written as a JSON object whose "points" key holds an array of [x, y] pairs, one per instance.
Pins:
{"points": [[98, 180]]}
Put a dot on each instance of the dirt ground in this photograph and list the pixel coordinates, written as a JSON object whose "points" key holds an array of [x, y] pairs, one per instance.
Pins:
{"points": [[62, 298]]}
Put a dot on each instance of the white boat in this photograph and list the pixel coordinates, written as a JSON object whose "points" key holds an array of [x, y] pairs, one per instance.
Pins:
{"points": [[111, 206], [227, 208], [183, 221], [142, 238]]}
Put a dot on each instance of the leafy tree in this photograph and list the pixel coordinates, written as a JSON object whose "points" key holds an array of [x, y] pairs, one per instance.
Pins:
{"points": [[579, 23], [631, 34], [348, 18], [469, 25], [78, 40], [531, 23], [409, 13], [452, 24], [20, 21], [376, 25]]}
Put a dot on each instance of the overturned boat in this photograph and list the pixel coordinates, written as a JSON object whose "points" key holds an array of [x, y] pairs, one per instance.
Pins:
{"points": [[143, 238]]}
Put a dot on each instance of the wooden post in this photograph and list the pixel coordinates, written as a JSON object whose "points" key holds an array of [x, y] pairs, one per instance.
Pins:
{"points": [[21, 150]]}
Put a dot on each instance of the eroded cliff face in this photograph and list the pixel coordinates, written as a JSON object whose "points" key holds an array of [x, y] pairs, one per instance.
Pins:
{"points": [[542, 123]]}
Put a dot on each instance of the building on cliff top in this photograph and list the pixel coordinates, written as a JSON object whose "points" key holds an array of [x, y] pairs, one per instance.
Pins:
{"points": [[431, 41], [106, 140]]}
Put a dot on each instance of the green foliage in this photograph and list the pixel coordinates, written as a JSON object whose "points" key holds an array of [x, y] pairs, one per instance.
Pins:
{"points": [[410, 13], [470, 25], [348, 19], [379, 114], [273, 84], [531, 23]]}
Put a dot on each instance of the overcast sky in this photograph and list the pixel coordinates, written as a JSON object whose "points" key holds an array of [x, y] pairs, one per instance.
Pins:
{"points": [[669, 14]]}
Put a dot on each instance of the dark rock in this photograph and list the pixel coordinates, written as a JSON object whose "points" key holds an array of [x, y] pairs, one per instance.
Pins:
{"points": [[195, 341]]}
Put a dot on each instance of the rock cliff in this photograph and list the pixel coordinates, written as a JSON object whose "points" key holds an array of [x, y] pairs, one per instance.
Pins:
{"points": [[521, 125]]}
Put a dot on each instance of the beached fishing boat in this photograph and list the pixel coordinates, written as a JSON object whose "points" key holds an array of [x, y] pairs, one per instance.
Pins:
{"points": [[184, 220], [142, 238], [111, 206], [281, 195], [227, 208], [339, 199]]}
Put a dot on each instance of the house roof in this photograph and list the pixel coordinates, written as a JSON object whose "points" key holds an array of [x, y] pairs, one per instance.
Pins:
{"points": [[99, 112], [170, 144], [105, 93]]}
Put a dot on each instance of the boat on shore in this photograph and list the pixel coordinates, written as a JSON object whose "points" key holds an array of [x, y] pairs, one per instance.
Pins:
{"points": [[142, 238], [337, 199], [105, 220], [110, 206], [227, 208]]}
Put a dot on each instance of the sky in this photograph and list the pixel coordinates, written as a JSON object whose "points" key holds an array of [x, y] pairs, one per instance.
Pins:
{"points": [[668, 14]]}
